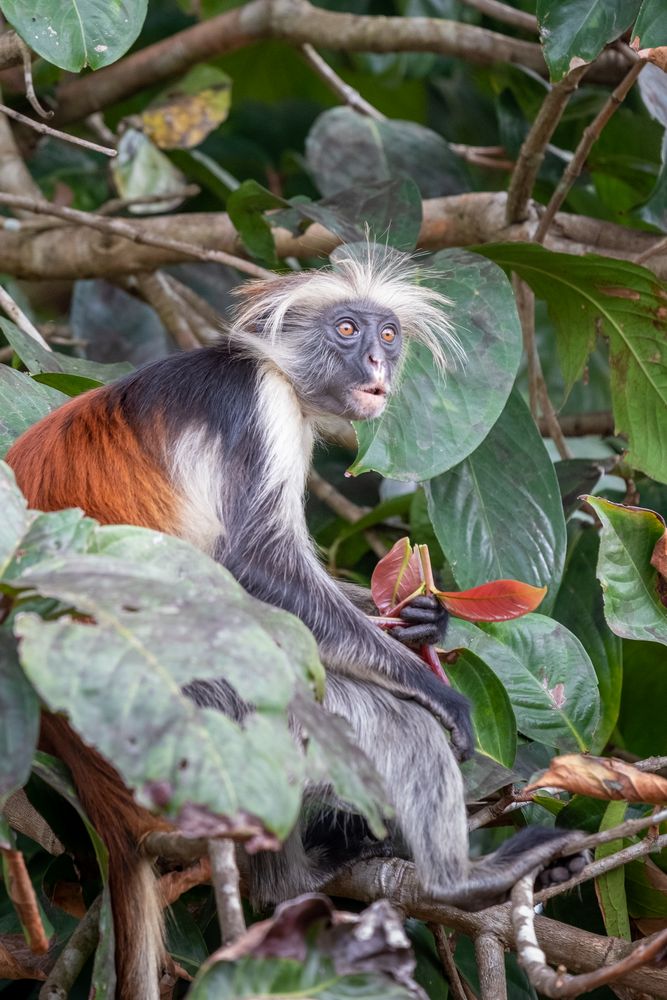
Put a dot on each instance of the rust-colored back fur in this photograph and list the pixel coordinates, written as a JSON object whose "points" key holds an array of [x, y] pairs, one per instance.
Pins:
{"points": [[85, 455], [110, 477]]}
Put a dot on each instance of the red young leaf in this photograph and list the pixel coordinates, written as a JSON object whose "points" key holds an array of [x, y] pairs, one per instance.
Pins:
{"points": [[493, 602], [396, 576]]}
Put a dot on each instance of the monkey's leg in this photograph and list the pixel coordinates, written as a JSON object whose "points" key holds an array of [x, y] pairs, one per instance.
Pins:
{"points": [[424, 784]]}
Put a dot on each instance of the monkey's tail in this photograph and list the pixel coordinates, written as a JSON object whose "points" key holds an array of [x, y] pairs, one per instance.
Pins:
{"points": [[135, 893]]}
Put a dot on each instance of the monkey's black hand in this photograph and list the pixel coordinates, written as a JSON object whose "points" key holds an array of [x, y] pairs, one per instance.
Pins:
{"points": [[457, 720], [426, 622]]}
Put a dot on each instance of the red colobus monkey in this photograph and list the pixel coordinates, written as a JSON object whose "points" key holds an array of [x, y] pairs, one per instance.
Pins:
{"points": [[214, 446]]}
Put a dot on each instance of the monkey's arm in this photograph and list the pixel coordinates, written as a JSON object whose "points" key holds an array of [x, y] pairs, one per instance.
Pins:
{"points": [[348, 642]]}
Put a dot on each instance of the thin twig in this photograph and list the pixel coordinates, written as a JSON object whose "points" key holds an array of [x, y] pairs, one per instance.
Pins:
{"points": [[558, 983], [456, 987], [343, 90], [650, 764], [17, 316], [506, 15], [174, 884], [603, 865], [490, 956], [120, 204], [156, 291], [345, 508], [590, 135], [119, 227], [535, 144], [22, 895], [225, 878], [655, 249], [491, 812], [74, 956], [525, 304], [26, 56], [209, 323], [47, 130]]}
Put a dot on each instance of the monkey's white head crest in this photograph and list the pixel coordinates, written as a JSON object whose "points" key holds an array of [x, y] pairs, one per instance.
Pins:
{"points": [[363, 272]]}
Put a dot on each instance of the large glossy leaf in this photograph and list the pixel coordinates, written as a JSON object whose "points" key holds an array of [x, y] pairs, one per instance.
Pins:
{"points": [[650, 29], [493, 720], [433, 423], [498, 514], [22, 403], [576, 31], [15, 517], [19, 712], [632, 604], [626, 303], [345, 150], [546, 672], [37, 359], [77, 33], [585, 618], [641, 722]]}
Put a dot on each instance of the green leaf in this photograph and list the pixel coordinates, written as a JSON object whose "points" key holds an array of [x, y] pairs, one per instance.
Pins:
{"points": [[575, 31], [632, 605], [346, 150], [77, 33], [19, 712], [493, 720], [245, 207], [475, 508], [650, 30], [413, 441], [71, 385], [585, 619], [37, 359], [610, 887], [546, 672], [142, 169], [391, 212], [22, 403], [641, 723], [254, 977], [626, 303], [15, 518]]}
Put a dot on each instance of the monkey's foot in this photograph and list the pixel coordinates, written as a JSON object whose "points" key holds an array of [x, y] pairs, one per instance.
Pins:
{"points": [[561, 870]]}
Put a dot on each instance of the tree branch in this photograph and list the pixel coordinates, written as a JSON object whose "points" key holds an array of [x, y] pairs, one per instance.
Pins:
{"points": [[35, 253], [559, 983], [298, 22], [591, 134], [47, 130], [225, 878], [456, 986], [157, 292], [490, 956], [10, 308], [534, 145], [74, 956], [505, 14], [119, 227], [347, 94]]}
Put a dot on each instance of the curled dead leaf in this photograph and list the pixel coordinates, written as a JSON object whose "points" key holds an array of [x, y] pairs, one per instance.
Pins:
{"points": [[602, 778]]}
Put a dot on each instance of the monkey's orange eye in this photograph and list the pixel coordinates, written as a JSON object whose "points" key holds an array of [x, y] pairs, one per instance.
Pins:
{"points": [[346, 328], [388, 335]]}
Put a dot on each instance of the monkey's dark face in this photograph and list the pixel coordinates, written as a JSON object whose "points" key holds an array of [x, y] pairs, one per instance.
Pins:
{"points": [[360, 356]]}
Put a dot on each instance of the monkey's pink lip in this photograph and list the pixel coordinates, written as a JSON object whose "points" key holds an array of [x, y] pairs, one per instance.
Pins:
{"points": [[369, 400], [375, 389]]}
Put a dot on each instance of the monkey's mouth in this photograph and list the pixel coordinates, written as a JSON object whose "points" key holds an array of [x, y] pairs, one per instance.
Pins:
{"points": [[369, 400]]}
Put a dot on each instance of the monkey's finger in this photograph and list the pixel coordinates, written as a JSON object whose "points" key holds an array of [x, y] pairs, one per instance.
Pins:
{"points": [[428, 633], [418, 615], [424, 601]]}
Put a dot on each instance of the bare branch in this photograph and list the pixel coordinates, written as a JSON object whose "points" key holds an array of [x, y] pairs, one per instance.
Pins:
{"points": [[14, 175], [120, 204], [490, 956], [10, 308], [329, 495], [27, 58], [298, 22], [347, 94], [157, 292], [591, 134], [505, 14], [657, 248], [581, 424], [121, 228], [559, 983], [74, 956], [21, 892], [456, 988], [534, 145], [54, 132], [225, 878]]}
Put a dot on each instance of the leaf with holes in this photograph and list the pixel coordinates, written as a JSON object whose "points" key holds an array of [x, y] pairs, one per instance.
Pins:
{"points": [[77, 33]]}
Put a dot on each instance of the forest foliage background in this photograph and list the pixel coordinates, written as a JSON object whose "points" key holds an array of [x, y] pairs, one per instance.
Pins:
{"points": [[521, 150]]}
